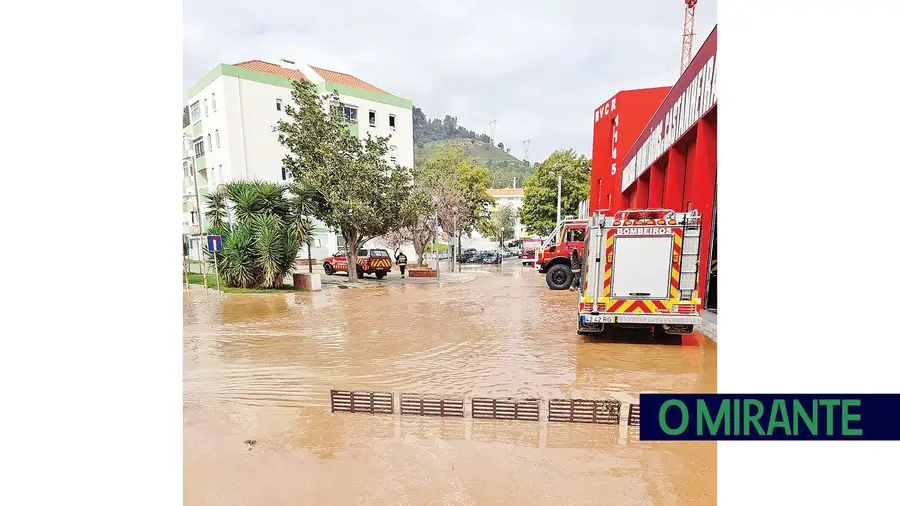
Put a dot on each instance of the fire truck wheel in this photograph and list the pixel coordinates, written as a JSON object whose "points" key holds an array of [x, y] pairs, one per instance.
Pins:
{"points": [[380, 274], [359, 271], [329, 270], [559, 277]]}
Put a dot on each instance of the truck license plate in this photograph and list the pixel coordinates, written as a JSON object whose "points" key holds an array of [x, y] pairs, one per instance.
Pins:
{"points": [[599, 318]]}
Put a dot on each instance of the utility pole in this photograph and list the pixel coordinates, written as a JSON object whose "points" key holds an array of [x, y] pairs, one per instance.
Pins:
{"points": [[526, 144], [492, 124], [514, 182]]}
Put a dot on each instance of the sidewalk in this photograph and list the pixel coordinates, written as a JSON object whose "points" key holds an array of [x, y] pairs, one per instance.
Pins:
{"points": [[709, 325]]}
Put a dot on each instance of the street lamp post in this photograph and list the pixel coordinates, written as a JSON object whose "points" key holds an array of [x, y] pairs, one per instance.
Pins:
{"points": [[558, 195], [193, 159]]}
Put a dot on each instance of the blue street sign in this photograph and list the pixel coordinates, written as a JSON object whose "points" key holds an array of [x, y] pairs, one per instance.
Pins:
{"points": [[214, 243]]}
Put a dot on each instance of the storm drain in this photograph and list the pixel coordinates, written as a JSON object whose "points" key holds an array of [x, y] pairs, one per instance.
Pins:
{"points": [[430, 405], [584, 411], [634, 415], [362, 401], [505, 408]]}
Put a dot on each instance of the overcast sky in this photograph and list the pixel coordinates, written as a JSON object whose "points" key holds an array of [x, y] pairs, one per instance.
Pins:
{"points": [[539, 68]]}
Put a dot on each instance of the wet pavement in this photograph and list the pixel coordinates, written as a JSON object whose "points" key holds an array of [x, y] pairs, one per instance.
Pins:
{"points": [[258, 369]]}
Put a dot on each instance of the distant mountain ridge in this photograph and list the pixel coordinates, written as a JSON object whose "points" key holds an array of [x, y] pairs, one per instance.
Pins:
{"points": [[428, 134]]}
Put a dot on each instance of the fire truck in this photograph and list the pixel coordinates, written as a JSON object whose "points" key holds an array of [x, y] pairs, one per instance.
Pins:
{"points": [[529, 249], [553, 258], [640, 270]]}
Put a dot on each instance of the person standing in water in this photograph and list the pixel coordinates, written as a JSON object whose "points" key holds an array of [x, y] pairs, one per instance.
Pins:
{"points": [[401, 262]]}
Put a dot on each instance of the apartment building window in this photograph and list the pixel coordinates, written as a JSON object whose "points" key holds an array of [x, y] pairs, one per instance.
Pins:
{"points": [[205, 108], [392, 122], [394, 154], [193, 217], [349, 112], [277, 104], [283, 173], [212, 177], [372, 118], [198, 147], [221, 174], [218, 144], [195, 112], [214, 102], [209, 141]]}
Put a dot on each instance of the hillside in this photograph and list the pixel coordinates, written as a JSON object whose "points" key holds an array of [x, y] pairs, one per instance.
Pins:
{"points": [[429, 134]]}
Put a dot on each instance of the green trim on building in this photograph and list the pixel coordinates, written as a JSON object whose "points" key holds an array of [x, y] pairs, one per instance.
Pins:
{"points": [[200, 162], [197, 129], [354, 129], [373, 96], [210, 76], [262, 77], [184, 207], [320, 230]]}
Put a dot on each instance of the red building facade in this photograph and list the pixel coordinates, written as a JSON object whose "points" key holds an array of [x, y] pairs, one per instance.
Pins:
{"points": [[671, 161]]}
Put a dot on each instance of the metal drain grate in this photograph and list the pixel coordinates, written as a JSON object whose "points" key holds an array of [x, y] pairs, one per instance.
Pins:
{"points": [[506, 408], [634, 415], [430, 405], [584, 411], [362, 401]]}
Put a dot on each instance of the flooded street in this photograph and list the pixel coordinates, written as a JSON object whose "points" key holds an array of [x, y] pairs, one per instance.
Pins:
{"points": [[259, 368]]}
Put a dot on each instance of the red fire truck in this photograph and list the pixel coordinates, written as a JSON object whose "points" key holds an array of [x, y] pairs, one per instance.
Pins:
{"points": [[529, 249], [553, 256], [640, 270]]}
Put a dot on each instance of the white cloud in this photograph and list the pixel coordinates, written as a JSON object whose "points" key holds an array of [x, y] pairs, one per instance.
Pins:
{"points": [[539, 68]]}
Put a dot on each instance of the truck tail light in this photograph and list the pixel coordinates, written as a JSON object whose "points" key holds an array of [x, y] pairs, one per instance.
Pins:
{"points": [[684, 308]]}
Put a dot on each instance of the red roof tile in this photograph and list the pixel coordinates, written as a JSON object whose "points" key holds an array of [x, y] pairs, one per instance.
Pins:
{"points": [[271, 68], [329, 75], [346, 79]]}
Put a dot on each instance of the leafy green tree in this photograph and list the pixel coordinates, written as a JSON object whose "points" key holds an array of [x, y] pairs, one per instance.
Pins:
{"points": [[538, 211], [354, 188], [501, 225], [500, 145], [259, 247]]}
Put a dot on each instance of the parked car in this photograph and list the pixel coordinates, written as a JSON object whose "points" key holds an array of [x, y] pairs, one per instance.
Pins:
{"points": [[492, 257], [476, 258], [368, 261], [466, 254]]}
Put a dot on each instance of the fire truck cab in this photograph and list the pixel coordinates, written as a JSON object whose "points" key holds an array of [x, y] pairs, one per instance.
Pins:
{"points": [[640, 270], [553, 258]]}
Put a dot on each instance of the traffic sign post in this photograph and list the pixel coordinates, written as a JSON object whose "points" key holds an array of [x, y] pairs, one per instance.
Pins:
{"points": [[214, 244]]}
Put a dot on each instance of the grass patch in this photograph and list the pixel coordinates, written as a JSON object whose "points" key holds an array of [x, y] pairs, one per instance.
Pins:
{"points": [[197, 279]]}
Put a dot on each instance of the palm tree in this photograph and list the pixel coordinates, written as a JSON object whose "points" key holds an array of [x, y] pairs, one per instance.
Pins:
{"points": [[259, 247]]}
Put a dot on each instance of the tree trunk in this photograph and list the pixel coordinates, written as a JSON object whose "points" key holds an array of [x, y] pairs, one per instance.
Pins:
{"points": [[420, 249], [309, 255], [351, 236]]}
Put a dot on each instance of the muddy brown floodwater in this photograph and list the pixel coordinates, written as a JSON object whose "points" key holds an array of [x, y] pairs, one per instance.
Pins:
{"points": [[258, 369]]}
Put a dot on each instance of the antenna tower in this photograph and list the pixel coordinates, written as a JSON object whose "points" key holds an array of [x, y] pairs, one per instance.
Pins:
{"points": [[687, 35]]}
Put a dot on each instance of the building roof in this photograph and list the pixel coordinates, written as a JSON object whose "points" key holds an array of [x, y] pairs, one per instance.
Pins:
{"points": [[340, 78], [506, 192], [330, 76], [271, 68]]}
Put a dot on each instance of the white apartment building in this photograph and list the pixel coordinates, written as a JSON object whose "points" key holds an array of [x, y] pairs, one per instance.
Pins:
{"points": [[233, 112], [502, 197]]}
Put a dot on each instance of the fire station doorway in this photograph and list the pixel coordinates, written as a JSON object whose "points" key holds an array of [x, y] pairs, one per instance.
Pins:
{"points": [[711, 300]]}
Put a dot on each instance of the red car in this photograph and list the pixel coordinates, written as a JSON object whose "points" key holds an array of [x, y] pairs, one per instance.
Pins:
{"points": [[368, 261]]}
